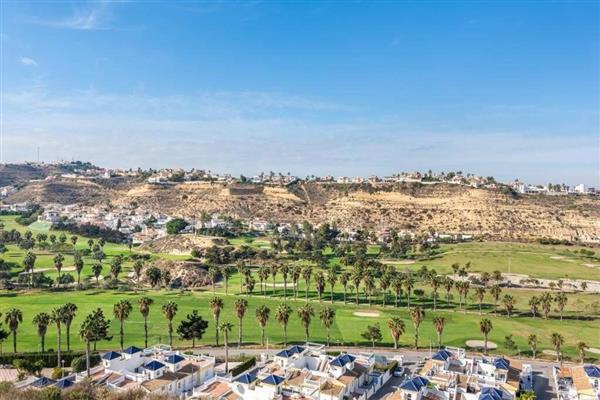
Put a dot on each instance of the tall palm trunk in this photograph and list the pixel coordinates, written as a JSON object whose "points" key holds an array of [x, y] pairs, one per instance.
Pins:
{"points": [[68, 332], [146, 332], [58, 336], [240, 334], [226, 344], [87, 356], [121, 334]]}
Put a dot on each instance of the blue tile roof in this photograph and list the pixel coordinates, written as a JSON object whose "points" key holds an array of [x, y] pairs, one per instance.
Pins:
{"points": [[286, 353], [592, 371], [273, 380], [342, 360], [246, 378], [64, 383], [501, 363], [490, 393], [174, 359], [154, 365], [415, 384], [132, 350], [442, 355], [42, 382], [111, 355]]}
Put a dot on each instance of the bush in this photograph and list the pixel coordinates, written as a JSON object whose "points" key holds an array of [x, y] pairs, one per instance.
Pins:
{"points": [[57, 373], [245, 365], [78, 363], [49, 358], [175, 226]]}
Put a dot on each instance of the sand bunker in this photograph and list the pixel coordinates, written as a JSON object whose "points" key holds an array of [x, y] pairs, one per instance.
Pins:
{"points": [[591, 265], [549, 352], [593, 350], [479, 344], [368, 314]]}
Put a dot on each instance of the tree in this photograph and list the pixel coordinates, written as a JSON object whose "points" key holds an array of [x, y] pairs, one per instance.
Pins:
{"points": [[241, 306], [169, 310], [57, 317], [561, 302], [320, 284], [3, 335], [557, 341], [534, 303], [175, 226], [226, 271], [305, 313], [306, 274], [263, 275], [153, 274], [532, 340], [74, 240], [213, 275], [78, 261], [480, 294], [226, 328], [121, 311], [273, 268], [192, 328], [58, 264], [296, 272], [95, 327], [13, 318], [439, 324], [68, 313], [28, 265], [435, 282], [356, 277], [495, 290], [509, 303], [97, 270], [282, 315], [372, 334], [285, 271], [262, 317], [417, 315], [327, 317], [116, 265], [409, 284], [138, 266], [216, 305], [527, 395], [397, 329], [581, 348], [344, 279], [41, 321], [546, 302], [448, 285], [485, 326], [144, 304]]}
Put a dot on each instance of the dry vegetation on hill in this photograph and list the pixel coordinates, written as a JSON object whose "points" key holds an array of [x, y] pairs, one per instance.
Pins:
{"points": [[495, 214]]}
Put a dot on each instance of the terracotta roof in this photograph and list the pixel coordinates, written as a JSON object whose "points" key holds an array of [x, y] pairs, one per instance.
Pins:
{"points": [[332, 388], [215, 390], [580, 379], [166, 378]]}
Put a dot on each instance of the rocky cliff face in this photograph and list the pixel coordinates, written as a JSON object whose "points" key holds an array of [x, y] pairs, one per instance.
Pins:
{"points": [[497, 214]]}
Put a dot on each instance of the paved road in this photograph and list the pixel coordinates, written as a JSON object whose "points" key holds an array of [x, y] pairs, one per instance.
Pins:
{"points": [[542, 370]]}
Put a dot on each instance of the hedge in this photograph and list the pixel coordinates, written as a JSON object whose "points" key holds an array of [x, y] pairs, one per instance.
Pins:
{"points": [[249, 363], [49, 359]]}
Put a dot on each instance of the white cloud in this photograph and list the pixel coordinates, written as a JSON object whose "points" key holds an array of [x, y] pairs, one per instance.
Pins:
{"points": [[86, 17], [30, 62]]}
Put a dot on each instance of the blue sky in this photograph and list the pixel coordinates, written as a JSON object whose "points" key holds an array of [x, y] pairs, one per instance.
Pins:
{"points": [[507, 88]]}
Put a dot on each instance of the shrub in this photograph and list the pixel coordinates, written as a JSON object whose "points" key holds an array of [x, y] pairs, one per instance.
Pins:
{"points": [[78, 363], [245, 365], [57, 373]]}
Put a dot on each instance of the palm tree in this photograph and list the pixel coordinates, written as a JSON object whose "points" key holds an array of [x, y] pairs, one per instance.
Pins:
{"points": [[417, 315], [561, 302], [581, 348], [320, 284], [532, 341], [144, 304], [57, 316], [485, 326], [546, 302], [273, 268], [28, 264], [58, 264], [397, 283], [295, 274], [241, 306], [439, 323], [121, 311], [41, 321], [97, 270], [534, 303], [409, 284], [226, 328], [344, 279], [557, 341], [69, 312], [138, 266], [213, 274], [397, 329], [262, 317], [509, 303], [327, 317], [216, 305], [305, 313], [226, 271], [169, 310], [285, 270], [495, 290], [331, 280], [357, 277], [480, 294], [448, 284], [435, 282], [13, 318], [263, 275], [282, 315], [78, 262]]}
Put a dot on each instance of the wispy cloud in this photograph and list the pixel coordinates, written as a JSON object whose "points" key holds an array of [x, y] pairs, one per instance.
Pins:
{"points": [[88, 17], [27, 61]]}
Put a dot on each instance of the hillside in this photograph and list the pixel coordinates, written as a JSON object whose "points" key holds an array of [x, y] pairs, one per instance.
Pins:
{"points": [[447, 208]]}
